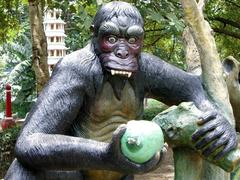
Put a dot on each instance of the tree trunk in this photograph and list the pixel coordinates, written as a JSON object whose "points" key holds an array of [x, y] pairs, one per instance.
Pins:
{"points": [[191, 53], [202, 169], [211, 65], [39, 43], [201, 51]]}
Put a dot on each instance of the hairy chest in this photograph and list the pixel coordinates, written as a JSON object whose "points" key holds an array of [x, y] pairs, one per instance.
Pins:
{"points": [[107, 105], [108, 111]]}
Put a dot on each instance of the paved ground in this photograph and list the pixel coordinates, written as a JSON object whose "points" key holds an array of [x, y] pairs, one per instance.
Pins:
{"points": [[165, 172]]}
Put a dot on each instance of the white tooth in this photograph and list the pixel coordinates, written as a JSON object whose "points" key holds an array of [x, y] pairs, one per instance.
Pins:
{"points": [[112, 72], [129, 74]]}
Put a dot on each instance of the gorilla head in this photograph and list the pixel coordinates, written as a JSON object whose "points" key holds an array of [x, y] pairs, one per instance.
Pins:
{"points": [[118, 37]]}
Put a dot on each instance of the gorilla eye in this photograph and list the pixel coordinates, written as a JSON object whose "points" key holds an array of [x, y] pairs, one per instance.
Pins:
{"points": [[132, 40], [112, 39]]}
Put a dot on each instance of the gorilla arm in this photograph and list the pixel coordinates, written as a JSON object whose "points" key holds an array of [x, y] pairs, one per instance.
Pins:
{"points": [[43, 143], [171, 85]]}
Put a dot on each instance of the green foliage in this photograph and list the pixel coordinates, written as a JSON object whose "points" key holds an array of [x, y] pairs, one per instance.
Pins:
{"points": [[153, 108], [224, 18], [7, 144], [12, 14], [150, 113], [163, 24], [81, 23], [19, 74], [2, 67], [78, 16], [15, 57], [163, 29]]}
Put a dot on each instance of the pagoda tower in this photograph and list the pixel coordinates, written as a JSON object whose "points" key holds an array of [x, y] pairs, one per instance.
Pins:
{"points": [[55, 34]]}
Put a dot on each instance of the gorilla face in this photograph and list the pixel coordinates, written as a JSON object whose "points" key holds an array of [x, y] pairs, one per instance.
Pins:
{"points": [[118, 37], [120, 43]]}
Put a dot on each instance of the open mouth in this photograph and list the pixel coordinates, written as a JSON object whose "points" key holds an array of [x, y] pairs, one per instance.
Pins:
{"points": [[121, 72]]}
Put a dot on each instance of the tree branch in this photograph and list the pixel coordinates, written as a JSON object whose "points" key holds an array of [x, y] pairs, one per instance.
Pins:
{"points": [[201, 5], [212, 71], [233, 3], [148, 45], [226, 32], [226, 21], [172, 49], [152, 30]]}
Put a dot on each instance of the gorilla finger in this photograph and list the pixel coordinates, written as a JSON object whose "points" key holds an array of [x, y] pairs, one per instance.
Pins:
{"points": [[208, 138], [203, 130], [165, 148], [207, 117], [118, 133], [163, 154], [215, 145], [152, 163], [230, 146]]}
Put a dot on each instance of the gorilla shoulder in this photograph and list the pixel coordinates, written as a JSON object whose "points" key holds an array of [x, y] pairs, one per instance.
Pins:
{"points": [[82, 62]]}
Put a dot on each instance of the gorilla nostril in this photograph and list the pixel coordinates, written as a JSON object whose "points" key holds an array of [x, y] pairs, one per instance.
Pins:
{"points": [[119, 54], [122, 54]]}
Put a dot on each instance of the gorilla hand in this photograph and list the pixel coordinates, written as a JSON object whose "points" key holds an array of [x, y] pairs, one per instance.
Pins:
{"points": [[215, 132], [124, 165]]}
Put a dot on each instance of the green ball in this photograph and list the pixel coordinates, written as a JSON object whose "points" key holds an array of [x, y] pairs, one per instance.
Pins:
{"points": [[141, 141]]}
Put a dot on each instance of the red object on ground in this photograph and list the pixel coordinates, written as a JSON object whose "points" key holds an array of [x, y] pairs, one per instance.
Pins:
{"points": [[8, 121], [8, 112]]}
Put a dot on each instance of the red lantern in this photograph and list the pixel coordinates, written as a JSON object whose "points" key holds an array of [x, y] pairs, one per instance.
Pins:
{"points": [[8, 121]]}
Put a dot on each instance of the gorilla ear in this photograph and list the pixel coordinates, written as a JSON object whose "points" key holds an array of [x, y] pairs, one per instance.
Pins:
{"points": [[228, 64]]}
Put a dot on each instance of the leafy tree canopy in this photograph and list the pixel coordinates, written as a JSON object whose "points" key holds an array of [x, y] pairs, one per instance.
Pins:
{"points": [[224, 16], [12, 15], [163, 24]]}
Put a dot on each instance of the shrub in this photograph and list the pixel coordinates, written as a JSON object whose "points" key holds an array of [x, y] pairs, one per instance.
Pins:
{"points": [[7, 143], [150, 113], [153, 108]]}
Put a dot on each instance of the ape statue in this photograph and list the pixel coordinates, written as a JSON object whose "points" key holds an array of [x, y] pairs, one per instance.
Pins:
{"points": [[231, 69], [71, 131]]}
